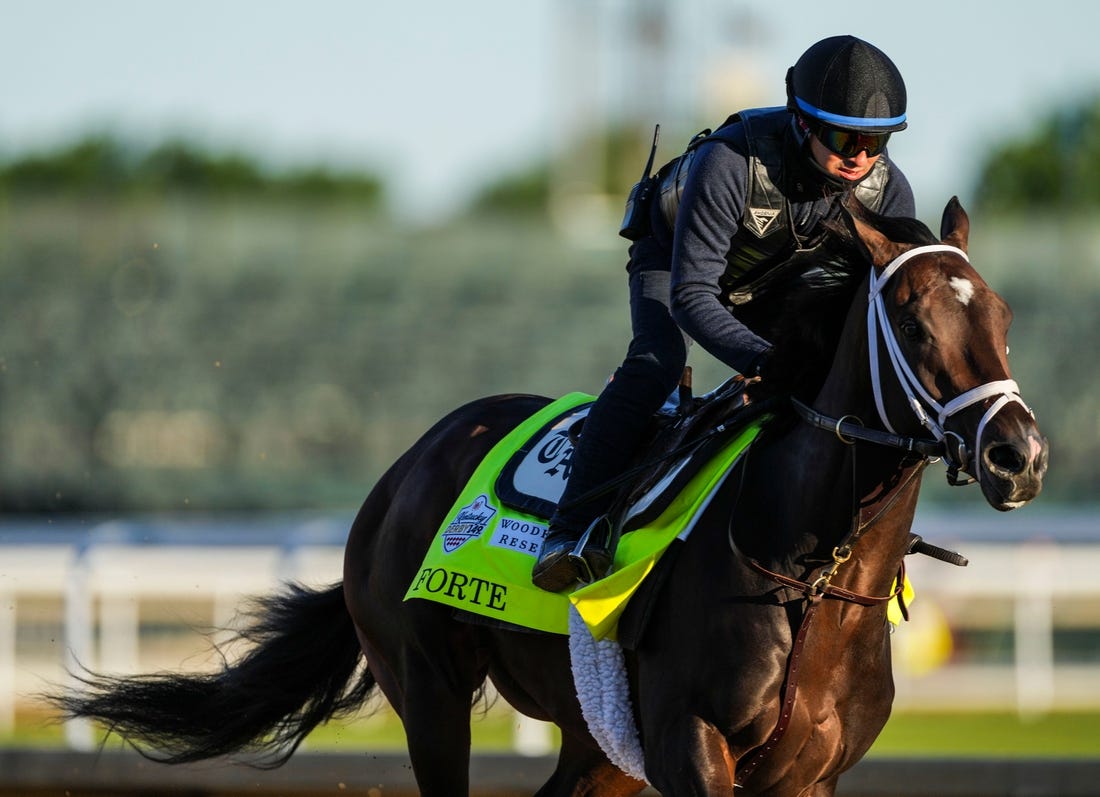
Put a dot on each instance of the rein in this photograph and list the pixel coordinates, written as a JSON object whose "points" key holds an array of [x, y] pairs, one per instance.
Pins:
{"points": [[849, 429]]}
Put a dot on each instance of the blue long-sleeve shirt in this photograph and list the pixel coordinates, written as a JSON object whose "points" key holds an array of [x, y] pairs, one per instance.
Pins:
{"points": [[710, 214]]}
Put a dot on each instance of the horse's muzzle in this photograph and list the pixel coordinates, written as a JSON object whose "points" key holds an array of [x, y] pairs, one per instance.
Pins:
{"points": [[1013, 469]]}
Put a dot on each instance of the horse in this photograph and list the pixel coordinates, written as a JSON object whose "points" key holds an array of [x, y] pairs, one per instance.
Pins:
{"points": [[760, 660]]}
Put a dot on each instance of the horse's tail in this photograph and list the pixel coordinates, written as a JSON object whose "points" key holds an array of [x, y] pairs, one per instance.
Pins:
{"points": [[301, 669]]}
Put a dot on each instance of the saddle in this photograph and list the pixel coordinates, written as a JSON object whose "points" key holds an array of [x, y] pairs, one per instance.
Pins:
{"points": [[682, 438]]}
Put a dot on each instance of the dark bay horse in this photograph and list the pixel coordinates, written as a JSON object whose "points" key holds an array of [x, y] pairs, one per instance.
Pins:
{"points": [[763, 662]]}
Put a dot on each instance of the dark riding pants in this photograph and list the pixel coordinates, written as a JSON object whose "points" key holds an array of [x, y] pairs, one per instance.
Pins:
{"points": [[618, 420]]}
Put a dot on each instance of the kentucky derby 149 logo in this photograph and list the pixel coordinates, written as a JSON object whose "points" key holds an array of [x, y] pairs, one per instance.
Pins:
{"points": [[470, 521]]}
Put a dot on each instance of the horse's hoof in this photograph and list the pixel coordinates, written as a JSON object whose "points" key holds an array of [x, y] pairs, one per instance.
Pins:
{"points": [[556, 568]]}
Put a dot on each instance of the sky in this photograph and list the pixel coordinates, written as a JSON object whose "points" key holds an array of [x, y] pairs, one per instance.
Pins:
{"points": [[440, 97]]}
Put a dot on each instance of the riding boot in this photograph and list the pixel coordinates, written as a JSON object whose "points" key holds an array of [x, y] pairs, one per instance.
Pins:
{"points": [[568, 556]]}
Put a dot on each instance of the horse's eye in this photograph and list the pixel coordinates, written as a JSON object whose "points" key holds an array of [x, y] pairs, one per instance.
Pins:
{"points": [[910, 328]]}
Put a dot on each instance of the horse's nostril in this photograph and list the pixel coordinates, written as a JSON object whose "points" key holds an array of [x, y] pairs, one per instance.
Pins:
{"points": [[1007, 458]]}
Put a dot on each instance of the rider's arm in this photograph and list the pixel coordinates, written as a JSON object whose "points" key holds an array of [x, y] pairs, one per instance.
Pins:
{"points": [[710, 210]]}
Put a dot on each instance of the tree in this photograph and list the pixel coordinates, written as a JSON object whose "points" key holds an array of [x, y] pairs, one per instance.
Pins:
{"points": [[1056, 166], [104, 164]]}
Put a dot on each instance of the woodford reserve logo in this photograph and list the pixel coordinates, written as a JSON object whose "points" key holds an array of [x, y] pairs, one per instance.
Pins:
{"points": [[470, 521]]}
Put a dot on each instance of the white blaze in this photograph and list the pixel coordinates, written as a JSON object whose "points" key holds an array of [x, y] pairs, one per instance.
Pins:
{"points": [[964, 289]]}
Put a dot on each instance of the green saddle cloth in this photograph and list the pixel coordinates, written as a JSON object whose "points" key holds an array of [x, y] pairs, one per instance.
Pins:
{"points": [[480, 560]]}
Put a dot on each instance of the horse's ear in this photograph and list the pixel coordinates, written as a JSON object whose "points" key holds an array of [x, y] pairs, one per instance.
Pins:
{"points": [[955, 225], [879, 249]]}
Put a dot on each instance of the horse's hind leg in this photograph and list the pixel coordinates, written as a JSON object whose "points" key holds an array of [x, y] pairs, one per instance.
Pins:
{"points": [[431, 688], [437, 729], [428, 666]]}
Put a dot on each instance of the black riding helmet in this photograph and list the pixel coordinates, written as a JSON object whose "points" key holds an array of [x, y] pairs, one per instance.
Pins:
{"points": [[846, 83]]}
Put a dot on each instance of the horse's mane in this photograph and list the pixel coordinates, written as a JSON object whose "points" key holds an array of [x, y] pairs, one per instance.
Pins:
{"points": [[801, 307]]}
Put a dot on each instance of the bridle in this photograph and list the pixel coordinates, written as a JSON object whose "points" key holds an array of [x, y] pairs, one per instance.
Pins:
{"points": [[932, 415]]}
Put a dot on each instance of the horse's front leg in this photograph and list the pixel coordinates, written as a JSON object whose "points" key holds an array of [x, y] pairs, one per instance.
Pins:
{"points": [[688, 757], [584, 771], [827, 788]]}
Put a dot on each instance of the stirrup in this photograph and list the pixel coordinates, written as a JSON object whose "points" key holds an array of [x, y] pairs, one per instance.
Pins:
{"points": [[556, 571], [576, 556]]}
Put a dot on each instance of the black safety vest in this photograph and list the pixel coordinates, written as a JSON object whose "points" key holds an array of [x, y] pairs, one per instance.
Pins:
{"points": [[766, 235]]}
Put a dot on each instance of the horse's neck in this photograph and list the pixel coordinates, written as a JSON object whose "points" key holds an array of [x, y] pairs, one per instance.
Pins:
{"points": [[840, 487], [847, 389], [884, 481]]}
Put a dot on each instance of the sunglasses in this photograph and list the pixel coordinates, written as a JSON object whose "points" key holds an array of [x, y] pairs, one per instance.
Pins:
{"points": [[849, 143]]}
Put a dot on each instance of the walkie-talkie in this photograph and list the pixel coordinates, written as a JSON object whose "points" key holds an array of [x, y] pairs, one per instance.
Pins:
{"points": [[636, 219]]}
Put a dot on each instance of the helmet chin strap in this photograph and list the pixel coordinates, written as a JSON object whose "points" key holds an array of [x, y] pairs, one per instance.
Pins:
{"points": [[931, 414]]}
